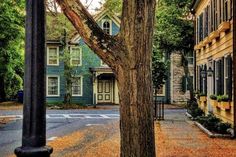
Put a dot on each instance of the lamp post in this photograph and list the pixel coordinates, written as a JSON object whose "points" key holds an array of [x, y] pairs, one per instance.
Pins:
{"points": [[34, 114], [210, 72]]}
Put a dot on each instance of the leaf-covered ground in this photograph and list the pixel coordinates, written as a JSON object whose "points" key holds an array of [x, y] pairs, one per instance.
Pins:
{"points": [[11, 105], [174, 138]]}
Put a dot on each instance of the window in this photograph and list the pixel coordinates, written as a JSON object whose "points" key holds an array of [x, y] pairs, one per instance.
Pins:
{"points": [[77, 86], [53, 86], [106, 26], [53, 56], [190, 58], [76, 56]]}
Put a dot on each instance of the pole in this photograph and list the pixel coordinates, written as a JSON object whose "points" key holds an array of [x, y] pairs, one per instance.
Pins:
{"points": [[34, 113]]}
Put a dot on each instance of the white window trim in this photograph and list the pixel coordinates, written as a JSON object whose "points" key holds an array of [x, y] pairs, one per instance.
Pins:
{"points": [[164, 91], [80, 48], [77, 95], [58, 95], [57, 47], [110, 21]]}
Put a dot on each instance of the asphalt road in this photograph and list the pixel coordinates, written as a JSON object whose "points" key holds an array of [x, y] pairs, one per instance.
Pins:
{"points": [[59, 123]]}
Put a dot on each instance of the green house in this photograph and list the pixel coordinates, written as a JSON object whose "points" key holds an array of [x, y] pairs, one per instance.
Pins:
{"points": [[94, 82]]}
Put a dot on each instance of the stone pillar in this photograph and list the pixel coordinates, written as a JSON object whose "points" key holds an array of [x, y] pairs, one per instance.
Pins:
{"points": [[34, 120]]}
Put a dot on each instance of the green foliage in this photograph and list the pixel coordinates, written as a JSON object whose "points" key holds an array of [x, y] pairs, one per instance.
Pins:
{"points": [[212, 123], [193, 109], [12, 15], [213, 97], [223, 98], [174, 30], [223, 127], [56, 23], [114, 5], [159, 71]]}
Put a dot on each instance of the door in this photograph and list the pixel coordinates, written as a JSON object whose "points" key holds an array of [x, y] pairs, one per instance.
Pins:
{"points": [[209, 88], [104, 94]]}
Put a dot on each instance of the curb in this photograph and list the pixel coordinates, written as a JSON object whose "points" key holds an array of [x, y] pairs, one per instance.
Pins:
{"points": [[210, 134]]}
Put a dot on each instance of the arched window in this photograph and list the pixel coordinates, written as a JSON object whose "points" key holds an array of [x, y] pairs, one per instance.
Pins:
{"points": [[106, 26]]}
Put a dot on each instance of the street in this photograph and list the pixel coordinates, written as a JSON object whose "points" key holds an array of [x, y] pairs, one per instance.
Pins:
{"points": [[59, 123]]}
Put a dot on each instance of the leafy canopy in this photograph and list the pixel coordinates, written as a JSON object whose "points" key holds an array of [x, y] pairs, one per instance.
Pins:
{"points": [[12, 15]]}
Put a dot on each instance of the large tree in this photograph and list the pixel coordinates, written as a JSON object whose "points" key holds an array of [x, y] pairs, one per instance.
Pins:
{"points": [[174, 32], [129, 56], [11, 47]]}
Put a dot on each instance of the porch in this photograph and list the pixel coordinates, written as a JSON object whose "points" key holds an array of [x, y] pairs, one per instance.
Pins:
{"points": [[105, 89]]}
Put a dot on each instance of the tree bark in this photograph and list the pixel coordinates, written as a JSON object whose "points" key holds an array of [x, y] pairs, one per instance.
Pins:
{"points": [[129, 56]]}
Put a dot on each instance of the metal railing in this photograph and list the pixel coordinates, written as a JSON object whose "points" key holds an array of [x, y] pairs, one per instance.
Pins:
{"points": [[158, 109]]}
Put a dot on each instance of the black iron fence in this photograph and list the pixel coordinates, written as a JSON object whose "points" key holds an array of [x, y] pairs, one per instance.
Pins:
{"points": [[158, 109]]}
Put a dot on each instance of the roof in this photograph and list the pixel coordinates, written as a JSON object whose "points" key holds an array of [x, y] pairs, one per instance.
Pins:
{"points": [[97, 17], [56, 23]]}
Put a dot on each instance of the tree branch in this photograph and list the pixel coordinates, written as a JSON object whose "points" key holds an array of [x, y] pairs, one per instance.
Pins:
{"points": [[104, 45]]}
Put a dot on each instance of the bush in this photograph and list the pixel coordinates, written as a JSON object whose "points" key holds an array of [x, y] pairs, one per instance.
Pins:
{"points": [[193, 109], [214, 124], [213, 97], [223, 127], [224, 98], [219, 98]]}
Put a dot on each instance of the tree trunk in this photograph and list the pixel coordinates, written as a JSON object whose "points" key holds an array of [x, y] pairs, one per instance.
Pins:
{"points": [[136, 123], [129, 56]]}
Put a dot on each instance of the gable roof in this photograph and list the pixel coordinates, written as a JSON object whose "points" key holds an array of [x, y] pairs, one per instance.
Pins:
{"points": [[97, 17]]}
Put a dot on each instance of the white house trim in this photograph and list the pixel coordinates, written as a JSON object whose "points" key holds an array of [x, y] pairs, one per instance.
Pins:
{"points": [[58, 79], [57, 47], [110, 22]]}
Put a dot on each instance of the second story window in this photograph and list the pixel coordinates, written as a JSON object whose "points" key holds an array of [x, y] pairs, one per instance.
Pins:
{"points": [[53, 56], [106, 26], [76, 56]]}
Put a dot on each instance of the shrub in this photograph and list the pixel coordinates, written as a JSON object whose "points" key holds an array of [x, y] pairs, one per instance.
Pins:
{"points": [[193, 109], [219, 98], [213, 97], [213, 123], [224, 98], [223, 127]]}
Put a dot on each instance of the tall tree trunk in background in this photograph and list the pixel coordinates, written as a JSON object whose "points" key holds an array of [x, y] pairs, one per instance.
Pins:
{"points": [[129, 56], [187, 74]]}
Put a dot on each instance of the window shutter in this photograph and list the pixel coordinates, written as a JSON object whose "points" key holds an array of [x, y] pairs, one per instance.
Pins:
{"points": [[214, 78], [218, 81], [200, 76], [222, 76], [205, 79], [229, 84]]}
